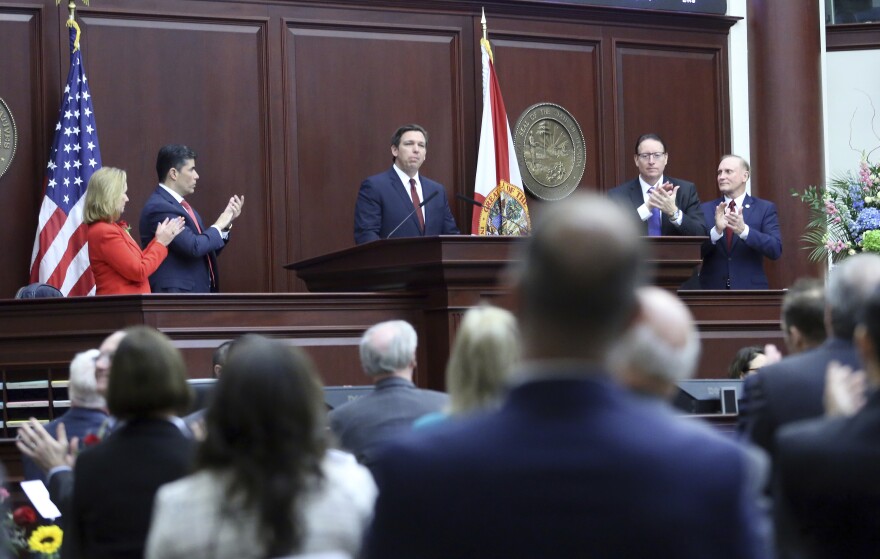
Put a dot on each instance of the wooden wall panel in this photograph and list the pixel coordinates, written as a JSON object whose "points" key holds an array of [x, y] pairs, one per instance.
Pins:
{"points": [[351, 88], [675, 92], [541, 70], [292, 102], [22, 88], [197, 81]]}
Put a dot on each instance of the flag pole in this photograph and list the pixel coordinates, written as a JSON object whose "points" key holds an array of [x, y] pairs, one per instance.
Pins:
{"points": [[71, 20], [482, 22]]}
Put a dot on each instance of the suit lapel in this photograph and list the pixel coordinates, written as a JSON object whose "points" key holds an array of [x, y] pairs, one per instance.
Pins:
{"points": [[637, 199]]}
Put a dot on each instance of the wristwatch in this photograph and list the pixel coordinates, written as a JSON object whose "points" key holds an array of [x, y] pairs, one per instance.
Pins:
{"points": [[676, 216]]}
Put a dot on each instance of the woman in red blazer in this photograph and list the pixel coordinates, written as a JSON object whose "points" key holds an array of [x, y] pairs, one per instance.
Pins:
{"points": [[119, 265]]}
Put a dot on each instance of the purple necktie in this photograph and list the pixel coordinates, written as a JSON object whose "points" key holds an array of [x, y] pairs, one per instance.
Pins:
{"points": [[654, 220]]}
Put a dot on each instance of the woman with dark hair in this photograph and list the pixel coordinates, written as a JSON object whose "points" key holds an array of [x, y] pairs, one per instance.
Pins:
{"points": [[116, 480], [265, 484], [748, 360]]}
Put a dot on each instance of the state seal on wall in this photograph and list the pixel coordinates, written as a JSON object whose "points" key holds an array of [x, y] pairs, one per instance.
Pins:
{"points": [[8, 137], [551, 151]]}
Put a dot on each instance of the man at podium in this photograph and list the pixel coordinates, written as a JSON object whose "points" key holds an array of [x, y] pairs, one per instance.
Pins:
{"points": [[663, 205], [399, 202]]}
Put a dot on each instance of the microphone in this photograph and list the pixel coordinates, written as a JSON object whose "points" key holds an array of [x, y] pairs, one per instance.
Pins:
{"points": [[469, 200], [410, 214]]}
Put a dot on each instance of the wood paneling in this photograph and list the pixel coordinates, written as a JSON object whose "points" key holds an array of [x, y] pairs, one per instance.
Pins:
{"points": [[293, 102], [667, 90], [198, 81]]}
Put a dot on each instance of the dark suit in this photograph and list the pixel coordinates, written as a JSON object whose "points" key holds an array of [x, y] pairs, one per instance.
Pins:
{"points": [[114, 486], [566, 468], [790, 390], [383, 203], [185, 270], [78, 422], [743, 266], [828, 483], [629, 194], [365, 424]]}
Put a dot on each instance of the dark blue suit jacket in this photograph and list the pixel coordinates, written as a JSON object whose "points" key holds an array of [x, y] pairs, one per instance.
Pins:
{"points": [[382, 204], [566, 468], [185, 270], [743, 265], [78, 422], [629, 195]]}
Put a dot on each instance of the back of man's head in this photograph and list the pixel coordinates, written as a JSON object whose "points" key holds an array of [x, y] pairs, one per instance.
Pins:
{"points": [[83, 387], [218, 359], [577, 279], [850, 284], [803, 315], [870, 336], [389, 348], [660, 349]]}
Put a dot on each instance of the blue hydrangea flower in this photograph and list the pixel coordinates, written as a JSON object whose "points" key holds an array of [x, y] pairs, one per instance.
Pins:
{"points": [[868, 219]]}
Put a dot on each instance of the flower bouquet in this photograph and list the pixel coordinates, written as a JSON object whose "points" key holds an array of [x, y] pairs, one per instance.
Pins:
{"points": [[844, 215], [25, 537]]}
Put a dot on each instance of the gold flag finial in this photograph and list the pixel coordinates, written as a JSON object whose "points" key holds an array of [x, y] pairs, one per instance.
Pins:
{"points": [[71, 20], [482, 22]]}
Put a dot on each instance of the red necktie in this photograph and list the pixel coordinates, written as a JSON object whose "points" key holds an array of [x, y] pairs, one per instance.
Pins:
{"points": [[192, 214], [728, 232], [417, 203]]}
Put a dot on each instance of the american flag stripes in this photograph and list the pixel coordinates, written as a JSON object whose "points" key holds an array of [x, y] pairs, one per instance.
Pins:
{"points": [[61, 256]]}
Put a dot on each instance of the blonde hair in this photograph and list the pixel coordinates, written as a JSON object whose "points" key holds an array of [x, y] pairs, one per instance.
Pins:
{"points": [[102, 195], [486, 349]]}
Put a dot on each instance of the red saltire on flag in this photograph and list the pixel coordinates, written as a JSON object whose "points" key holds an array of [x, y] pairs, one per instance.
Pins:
{"points": [[498, 184], [61, 253]]}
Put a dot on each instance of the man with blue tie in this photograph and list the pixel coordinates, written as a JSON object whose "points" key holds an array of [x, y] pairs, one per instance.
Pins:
{"points": [[742, 231], [399, 202], [664, 205]]}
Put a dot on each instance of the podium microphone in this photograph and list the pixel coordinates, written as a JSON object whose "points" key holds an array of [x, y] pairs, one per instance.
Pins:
{"points": [[469, 200], [410, 214]]}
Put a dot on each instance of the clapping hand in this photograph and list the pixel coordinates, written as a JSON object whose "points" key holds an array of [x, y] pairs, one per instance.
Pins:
{"points": [[169, 229]]}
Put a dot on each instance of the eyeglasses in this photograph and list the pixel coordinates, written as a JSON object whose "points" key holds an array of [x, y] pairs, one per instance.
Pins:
{"points": [[655, 155]]}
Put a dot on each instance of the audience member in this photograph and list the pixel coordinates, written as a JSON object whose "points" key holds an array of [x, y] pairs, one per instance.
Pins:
{"points": [[87, 413], [119, 265], [793, 388], [661, 349], [661, 205], [388, 356], [803, 315], [827, 489], [742, 229], [556, 471], [486, 349], [748, 360], [195, 420], [57, 456], [115, 481], [265, 485]]}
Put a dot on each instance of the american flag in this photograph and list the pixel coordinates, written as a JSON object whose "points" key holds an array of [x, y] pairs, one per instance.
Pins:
{"points": [[61, 253]]}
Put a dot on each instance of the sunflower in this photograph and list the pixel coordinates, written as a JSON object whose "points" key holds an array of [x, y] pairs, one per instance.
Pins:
{"points": [[46, 539]]}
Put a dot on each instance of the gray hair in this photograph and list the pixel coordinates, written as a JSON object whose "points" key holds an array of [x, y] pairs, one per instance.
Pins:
{"points": [[388, 347], [83, 388], [850, 285], [643, 350]]}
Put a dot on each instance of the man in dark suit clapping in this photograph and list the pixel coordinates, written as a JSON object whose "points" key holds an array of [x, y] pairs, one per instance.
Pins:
{"points": [[191, 265]]}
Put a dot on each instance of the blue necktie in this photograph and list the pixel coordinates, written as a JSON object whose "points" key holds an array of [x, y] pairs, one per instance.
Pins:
{"points": [[654, 220]]}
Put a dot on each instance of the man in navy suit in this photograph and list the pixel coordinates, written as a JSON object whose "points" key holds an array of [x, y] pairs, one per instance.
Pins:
{"points": [[742, 231], [390, 204], [662, 205], [827, 486], [571, 465], [191, 264]]}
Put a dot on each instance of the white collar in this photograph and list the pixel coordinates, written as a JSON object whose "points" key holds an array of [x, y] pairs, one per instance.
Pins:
{"points": [[177, 196]]}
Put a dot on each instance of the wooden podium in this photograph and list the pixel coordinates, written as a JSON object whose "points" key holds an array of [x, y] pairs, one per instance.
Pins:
{"points": [[454, 273]]}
